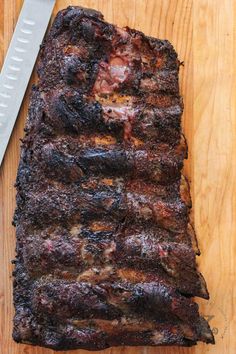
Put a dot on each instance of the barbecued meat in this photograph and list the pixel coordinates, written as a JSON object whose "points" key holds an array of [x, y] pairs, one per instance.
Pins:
{"points": [[105, 248]]}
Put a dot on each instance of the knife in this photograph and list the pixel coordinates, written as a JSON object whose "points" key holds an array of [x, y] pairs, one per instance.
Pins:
{"points": [[19, 62]]}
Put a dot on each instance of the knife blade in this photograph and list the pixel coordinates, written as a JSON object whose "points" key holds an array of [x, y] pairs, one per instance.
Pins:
{"points": [[19, 62]]}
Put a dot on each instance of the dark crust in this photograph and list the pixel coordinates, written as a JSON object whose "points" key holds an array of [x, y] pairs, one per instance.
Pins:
{"points": [[105, 252]]}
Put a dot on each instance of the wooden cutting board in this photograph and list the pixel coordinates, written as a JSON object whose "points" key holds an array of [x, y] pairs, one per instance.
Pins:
{"points": [[203, 33]]}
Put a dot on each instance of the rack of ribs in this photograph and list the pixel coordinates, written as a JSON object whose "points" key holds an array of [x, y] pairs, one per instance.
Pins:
{"points": [[106, 253]]}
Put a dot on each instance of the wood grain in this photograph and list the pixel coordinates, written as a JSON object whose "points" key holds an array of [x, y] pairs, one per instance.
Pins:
{"points": [[203, 33]]}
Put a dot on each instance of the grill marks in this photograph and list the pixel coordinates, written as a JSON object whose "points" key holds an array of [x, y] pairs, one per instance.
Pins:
{"points": [[118, 308], [55, 204], [67, 110], [107, 300], [105, 250], [90, 255], [103, 155], [154, 119]]}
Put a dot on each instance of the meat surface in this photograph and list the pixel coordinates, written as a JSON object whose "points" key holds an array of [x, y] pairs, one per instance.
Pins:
{"points": [[106, 253]]}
